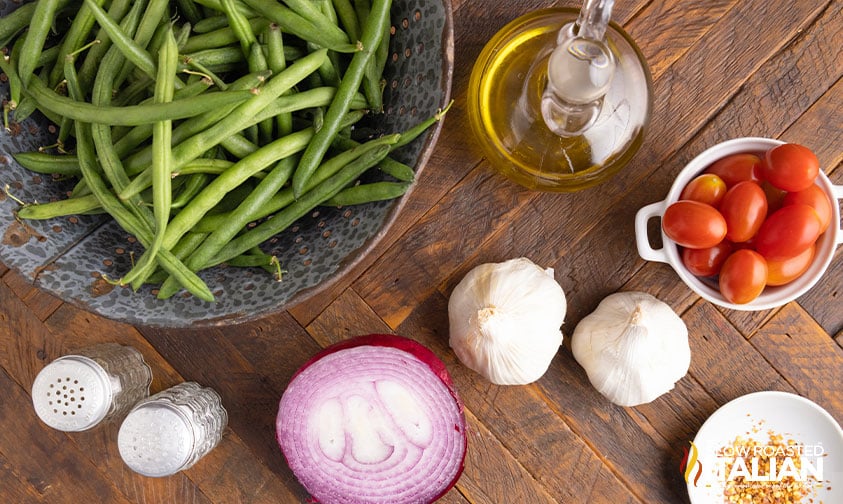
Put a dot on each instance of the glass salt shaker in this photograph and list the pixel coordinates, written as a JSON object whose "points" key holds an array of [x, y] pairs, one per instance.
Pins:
{"points": [[171, 430], [95, 384]]}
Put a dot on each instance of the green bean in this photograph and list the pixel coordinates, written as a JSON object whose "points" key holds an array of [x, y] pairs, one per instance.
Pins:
{"points": [[87, 161], [414, 132], [298, 209], [41, 162], [75, 37], [240, 26], [60, 208], [285, 197], [161, 160], [15, 84], [117, 10], [366, 193], [189, 10], [348, 18], [307, 10], [329, 36], [277, 61], [231, 178], [221, 37], [200, 165], [211, 23], [132, 115], [195, 125], [33, 42], [350, 83], [391, 167], [156, 13], [14, 22], [192, 147], [215, 5], [276, 178], [130, 49], [195, 183]]}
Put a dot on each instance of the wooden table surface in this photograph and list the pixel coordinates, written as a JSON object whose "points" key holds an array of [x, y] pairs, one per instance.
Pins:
{"points": [[722, 69]]}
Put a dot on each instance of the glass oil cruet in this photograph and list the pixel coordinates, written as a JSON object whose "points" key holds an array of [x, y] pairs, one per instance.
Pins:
{"points": [[560, 100]]}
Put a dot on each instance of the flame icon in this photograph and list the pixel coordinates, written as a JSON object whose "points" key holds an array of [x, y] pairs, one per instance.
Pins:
{"points": [[688, 461]]}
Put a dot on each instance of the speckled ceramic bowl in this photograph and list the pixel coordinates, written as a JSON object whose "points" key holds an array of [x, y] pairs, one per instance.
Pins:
{"points": [[670, 253], [67, 256]]}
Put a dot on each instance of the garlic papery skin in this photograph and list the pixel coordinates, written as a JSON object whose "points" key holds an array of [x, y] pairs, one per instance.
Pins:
{"points": [[633, 347], [505, 320]]}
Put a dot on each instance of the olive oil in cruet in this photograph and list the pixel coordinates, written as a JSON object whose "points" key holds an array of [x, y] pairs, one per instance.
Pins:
{"points": [[560, 100]]}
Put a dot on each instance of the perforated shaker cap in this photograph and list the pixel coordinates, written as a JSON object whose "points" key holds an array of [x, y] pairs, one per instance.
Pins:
{"points": [[155, 439], [72, 393]]}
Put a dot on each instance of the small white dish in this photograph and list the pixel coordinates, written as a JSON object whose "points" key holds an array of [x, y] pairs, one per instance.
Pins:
{"points": [[669, 253], [754, 416]]}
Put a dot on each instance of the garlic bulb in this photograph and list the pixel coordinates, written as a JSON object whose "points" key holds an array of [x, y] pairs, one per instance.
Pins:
{"points": [[505, 320], [633, 347]]}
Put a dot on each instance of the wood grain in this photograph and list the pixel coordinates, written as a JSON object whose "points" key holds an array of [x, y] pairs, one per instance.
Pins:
{"points": [[721, 69]]}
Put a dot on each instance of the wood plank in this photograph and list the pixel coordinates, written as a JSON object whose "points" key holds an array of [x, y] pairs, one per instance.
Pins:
{"points": [[207, 356], [717, 349], [57, 469], [508, 482], [16, 489], [803, 353], [39, 302]]}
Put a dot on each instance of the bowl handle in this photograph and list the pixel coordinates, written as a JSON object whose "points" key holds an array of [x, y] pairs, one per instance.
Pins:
{"points": [[642, 239], [837, 192]]}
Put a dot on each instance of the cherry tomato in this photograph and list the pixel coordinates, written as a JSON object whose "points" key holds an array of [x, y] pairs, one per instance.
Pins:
{"points": [[743, 276], [791, 167], [775, 196], [706, 262], [707, 188], [816, 198], [736, 168], [787, 270], [788, 232], [693, 224], [744, 207]]}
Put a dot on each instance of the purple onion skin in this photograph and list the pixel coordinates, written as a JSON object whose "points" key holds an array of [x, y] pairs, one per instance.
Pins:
{"points": [[415, 349]]}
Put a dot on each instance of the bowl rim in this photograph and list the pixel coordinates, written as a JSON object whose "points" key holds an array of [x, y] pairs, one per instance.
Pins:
{"points": [[772, 296]]}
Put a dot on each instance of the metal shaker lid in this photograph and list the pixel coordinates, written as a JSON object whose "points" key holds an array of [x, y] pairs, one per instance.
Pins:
{"points": [[72, 393], [156, 439]]}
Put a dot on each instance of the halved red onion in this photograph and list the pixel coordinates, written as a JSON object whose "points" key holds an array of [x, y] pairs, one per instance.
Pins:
{"points": [[373, 419]]}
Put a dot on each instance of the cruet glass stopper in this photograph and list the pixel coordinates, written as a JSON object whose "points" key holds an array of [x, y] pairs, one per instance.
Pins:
{"points": [[579, 71]]}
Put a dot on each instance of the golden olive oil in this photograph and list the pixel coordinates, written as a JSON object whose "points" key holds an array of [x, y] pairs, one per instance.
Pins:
{"points": [[504, 104]]}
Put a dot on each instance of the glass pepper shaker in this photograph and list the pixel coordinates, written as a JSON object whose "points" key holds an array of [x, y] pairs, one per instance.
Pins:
{"points": [[171, 430], [95, 384]]}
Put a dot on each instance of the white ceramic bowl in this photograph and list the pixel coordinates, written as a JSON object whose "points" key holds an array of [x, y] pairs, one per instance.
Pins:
{"points": [[754, 416], [771, 297]]}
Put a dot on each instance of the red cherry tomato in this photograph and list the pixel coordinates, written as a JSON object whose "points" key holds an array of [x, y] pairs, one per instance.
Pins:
{"points": [[788, 232], [787, 270], [791, 167], [693, 224], [743, 276], [744, 207], [736, 168], [707, 188], [817, 199], [706, 262]]}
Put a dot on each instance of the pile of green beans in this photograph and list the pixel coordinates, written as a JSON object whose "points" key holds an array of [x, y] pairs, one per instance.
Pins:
{"points": [[192, 122]]}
